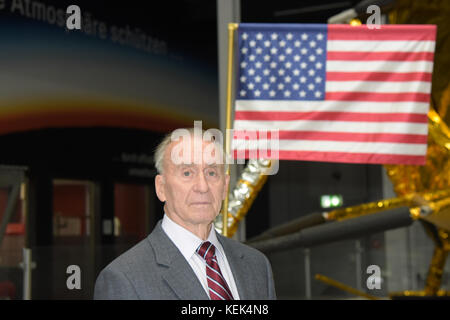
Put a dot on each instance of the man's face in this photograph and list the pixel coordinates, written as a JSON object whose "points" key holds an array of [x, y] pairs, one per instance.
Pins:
{"points": [[192, 193]]}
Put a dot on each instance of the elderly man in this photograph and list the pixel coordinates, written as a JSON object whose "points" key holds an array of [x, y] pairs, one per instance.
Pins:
{"points": [[184, 257]]}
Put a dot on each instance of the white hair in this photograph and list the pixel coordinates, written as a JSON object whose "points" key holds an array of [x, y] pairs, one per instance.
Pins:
{"points": [[162, 147], [160, 151]]}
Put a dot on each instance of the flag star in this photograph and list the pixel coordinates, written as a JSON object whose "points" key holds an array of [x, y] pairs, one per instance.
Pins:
{"points": [[258, 65], [287, 79], [319, 50], [318, 65], [272, 93], [302, 93], [312, 58], [302, 79], [266, 86], [311, 72], [244, 50], [318, 79], [244, 36], [280, 86], [287, 93], [273, 50], [281, 57], [251, 86], [281, 72], [288, 51], [251, 72], [243, 64], [296, 72], [243, 93], [273, 64], [259, 36], [320, 36], [297, 43], [282, 43], [311, 86], [266, 72], [289, 36], [266, 57], [252, 57], [274, 36], [312, 44], [258, 50], [258, 79], [252, 43], [257, 93], [296, 86], [243, 79], [303, 65], [304, 36], [317, 94], [267, 43], [304, 51], [288, 65], [296, 57], [272, 79]]}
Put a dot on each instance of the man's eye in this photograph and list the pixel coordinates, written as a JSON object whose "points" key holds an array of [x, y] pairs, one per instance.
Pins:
{"points": [[211, 173], [186, 173]]}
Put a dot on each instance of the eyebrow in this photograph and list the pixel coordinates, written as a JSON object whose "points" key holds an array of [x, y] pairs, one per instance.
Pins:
{"points": [[184, 165]]}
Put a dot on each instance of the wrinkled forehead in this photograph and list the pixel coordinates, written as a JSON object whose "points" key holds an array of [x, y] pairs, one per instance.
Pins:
{"points": [[190, 150]]}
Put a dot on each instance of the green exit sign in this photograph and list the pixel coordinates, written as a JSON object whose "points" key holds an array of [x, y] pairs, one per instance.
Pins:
{"points": [[331, 201]]}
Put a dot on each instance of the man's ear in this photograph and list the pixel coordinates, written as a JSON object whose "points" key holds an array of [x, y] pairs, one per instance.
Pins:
{"points": [[159, 187], [225, 190]]}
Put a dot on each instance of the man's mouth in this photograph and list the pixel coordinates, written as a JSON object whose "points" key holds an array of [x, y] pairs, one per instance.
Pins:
{"points": [[200, 203]]}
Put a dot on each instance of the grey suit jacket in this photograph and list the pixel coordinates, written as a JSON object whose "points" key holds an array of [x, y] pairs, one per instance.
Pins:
{"points": [[156, 269]]}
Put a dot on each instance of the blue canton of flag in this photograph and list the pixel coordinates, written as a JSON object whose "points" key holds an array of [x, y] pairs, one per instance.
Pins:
{"points": [[282, 64]]}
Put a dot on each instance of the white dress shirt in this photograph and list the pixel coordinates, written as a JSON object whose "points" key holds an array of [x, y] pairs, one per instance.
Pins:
{"points": [[187, 243]]}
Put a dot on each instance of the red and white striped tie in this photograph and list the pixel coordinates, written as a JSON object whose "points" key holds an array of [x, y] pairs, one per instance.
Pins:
{"points": [[218, 288]]}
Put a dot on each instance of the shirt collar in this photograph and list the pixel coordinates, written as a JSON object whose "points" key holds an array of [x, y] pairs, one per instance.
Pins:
{"points": [[186, 241]]}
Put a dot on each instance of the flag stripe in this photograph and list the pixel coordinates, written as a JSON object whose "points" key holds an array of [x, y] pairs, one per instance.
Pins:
{"points": [[379, 76], [331, 136], [376, 96], [331, 116], [378, 66], [378, 86], [346, 157], [380, 46], [334, 126], [343, 106], [380, 56], [333, 146], [391, 32]]}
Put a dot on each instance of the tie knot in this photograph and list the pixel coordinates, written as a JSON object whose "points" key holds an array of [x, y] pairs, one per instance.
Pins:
{"points": [[206, 250]]}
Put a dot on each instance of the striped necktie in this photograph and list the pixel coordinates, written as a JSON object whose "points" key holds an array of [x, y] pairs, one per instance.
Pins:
{"points": [[218, 288]]}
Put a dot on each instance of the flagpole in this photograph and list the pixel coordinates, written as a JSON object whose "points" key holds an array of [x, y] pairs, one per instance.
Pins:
{"points": [[231, 31]]}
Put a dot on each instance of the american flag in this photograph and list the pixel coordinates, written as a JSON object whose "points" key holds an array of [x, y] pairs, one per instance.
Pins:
{"points": [[336, 93]]}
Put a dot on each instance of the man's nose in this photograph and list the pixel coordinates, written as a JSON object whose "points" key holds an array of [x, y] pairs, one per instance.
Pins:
{"points": [[201, 185]]}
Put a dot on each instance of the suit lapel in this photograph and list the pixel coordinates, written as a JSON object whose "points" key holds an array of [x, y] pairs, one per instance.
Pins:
{"points": [[178, 274], [240, 268], [182, 280]]}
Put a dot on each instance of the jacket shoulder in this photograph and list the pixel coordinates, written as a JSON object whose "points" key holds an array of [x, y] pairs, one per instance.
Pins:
{"points": [[123, 277], [130, 260]]}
